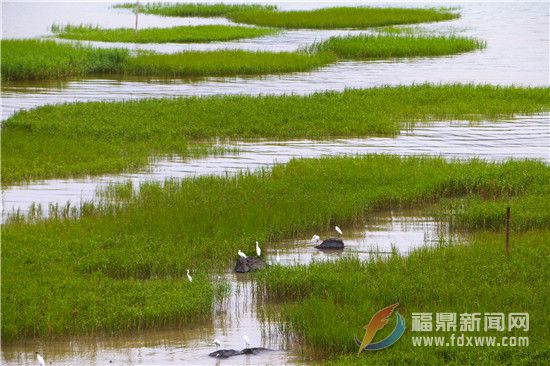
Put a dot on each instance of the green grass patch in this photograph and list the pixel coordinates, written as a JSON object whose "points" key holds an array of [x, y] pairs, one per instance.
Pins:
{"points": [[182, 34], [38, 59], [90, 156], [194, 9], [91, 138], [326, 305], [326, 18], [123, 267], [76, 303], [340, 17], [223, 63], [386, 46]]}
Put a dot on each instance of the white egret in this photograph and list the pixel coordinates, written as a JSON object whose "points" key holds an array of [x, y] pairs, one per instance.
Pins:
{"points": [[217, 342], [315, 238], [258, 249], [241, 254], [278, 258], [246, 340], [189, 277], [338, 230], [40, 359]]}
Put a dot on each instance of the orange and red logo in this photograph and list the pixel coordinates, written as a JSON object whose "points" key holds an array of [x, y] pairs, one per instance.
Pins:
{"points": [[378, 322]]}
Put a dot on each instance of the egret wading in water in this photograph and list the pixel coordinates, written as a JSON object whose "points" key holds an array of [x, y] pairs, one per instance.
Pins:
{"points": [[315, 239], [241, 254], [258, 249], [246, 340], [40, 359], [278, 258], [217, 342], [189, 277], [338, 230]]}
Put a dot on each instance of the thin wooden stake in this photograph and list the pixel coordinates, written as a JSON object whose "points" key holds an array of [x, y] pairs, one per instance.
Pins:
{"points": [[137, 12], [507, 229]]}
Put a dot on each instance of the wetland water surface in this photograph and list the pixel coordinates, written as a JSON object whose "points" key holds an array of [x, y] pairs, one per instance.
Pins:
{"points": [[517, 53], [240, 312], [518, 138]]}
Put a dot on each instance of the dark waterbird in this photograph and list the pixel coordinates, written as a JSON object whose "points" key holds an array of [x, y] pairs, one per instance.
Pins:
{"points": [[331, 243], [226, 353], [247, 264]]}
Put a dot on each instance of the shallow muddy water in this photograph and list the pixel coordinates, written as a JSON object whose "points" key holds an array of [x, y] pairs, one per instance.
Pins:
{"points": [[516, 34], [232, 317], [518, 138], [239, 313], [400, 231]]}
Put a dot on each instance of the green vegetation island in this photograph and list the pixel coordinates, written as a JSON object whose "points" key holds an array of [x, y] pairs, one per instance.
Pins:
{"points": [[327, 18], [48, 59], [181, 34], [97, 137]]}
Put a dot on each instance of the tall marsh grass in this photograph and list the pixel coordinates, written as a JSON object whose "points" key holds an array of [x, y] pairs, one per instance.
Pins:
{"points": [[40, 59], [387, 46], [181, 34], [340, 17], [34, 59], [326, 305], [325, 18], [92, 138], [123, 266], [223, 62], [194, 9]]}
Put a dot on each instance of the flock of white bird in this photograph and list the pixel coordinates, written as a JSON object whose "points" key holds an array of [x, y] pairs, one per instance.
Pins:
{"points": [[246, 340], [314, 239]]}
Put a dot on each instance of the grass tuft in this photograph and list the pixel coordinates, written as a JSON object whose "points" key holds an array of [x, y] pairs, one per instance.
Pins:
{"points": [[182, 34], [387, 46], [39, 59], [223, 63], [194, 9]]}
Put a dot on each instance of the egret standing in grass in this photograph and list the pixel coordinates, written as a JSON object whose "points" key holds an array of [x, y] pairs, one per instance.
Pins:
{"points": [[40, 359], [315, 238], [246, 340], [338, 230], [278, 258], [217, 342], [241, 254], [258, 249], [189, 277]]}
